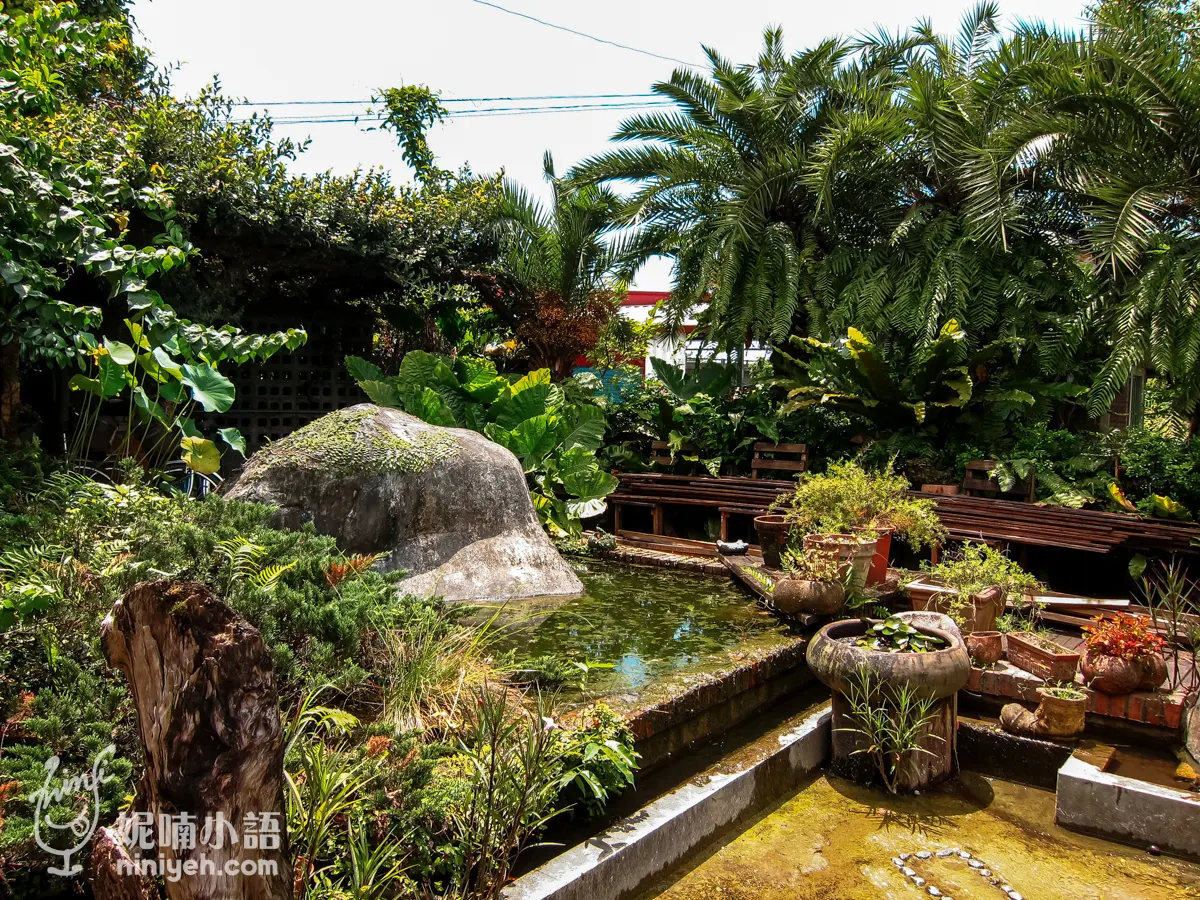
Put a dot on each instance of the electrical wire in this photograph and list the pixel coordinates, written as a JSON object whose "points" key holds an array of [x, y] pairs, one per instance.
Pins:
{"points": [[451, 99], [583, 34], [494, 111]]}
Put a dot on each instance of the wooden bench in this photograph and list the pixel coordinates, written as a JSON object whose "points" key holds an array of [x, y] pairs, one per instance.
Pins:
{"points": [[653, 491], [980, 481], [770, 457]]}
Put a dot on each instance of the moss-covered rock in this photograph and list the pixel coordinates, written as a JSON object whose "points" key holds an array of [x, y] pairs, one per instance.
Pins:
{"points": [[446, 504]]}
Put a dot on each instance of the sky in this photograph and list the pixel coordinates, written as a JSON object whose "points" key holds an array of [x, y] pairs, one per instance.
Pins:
{"points": [[270, 51]]}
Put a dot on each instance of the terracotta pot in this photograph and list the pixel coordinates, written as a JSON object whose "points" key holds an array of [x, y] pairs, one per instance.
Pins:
{"points": [[947, 489], [1055, 717], [877, 574], [848, 547], [820, 598], [979, 614], [985, 647], [1154, 672], [1110, 674], [772, 538], [1041, 657], [1061, 717]]}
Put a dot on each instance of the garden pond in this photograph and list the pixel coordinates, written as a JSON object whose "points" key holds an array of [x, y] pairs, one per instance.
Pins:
{"points": [[645, 623], [974, 838]]}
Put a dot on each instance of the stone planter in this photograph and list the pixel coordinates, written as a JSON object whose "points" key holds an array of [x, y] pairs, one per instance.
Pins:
{"points": [[985, 647], [846, 547], [820, 598], [1110, 674], [1154, 672], [978, 614], [1045, 659], [772, 538], [938, 675]]}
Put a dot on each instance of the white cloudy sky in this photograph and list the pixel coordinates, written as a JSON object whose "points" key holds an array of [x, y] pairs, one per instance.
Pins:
{"points": [[289, 50]]}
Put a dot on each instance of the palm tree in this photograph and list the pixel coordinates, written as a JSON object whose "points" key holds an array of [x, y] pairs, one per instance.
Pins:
{"points": [[719, 184], [1131, 119], [566, 263]]}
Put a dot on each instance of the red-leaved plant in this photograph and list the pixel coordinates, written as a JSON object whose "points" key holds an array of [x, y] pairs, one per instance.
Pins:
{"points": [[1123, 635]]}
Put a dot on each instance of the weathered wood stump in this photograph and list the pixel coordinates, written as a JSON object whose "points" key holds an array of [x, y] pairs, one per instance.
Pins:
{"points": [[208, 716]]}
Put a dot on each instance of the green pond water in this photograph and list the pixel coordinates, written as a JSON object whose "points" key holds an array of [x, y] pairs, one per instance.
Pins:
{"points": [[832, 840], [645, 622]]}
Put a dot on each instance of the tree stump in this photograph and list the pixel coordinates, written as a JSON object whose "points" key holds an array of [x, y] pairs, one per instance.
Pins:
{"points": [[208, 715]]}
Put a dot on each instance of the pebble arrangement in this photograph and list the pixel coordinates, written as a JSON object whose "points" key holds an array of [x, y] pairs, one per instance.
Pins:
{"points": [[978, 866]]}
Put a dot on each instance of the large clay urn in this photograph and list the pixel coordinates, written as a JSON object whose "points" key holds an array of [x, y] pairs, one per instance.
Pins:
{"points": [[937, 675]]}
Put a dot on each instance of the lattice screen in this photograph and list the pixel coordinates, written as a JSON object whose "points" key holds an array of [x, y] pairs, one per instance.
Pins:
{"points": [[291, 389]]}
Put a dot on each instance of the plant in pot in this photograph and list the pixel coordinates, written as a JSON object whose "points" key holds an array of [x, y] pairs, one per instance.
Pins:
{"points": [[815, 583], [923, 662], [972, 586], [858, 506], [1122, 655], [1061, 712]]}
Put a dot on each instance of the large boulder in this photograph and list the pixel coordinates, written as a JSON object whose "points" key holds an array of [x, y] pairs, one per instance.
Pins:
{"points": [[446, 504]]}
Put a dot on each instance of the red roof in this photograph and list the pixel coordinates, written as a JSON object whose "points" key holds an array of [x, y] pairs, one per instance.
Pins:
{"points": [[643, 298]]}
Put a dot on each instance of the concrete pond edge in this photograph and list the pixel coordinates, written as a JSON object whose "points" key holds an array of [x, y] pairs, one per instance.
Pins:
{"points": [[635, 850], [1127, 810]]}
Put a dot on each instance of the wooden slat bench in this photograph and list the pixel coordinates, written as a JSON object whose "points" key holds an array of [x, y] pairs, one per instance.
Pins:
{"points": [[770, 457], [726, 496]]}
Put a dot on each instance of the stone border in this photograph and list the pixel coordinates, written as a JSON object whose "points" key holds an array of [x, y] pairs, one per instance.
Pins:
{"points": [[1127, 810], [635, 850]]}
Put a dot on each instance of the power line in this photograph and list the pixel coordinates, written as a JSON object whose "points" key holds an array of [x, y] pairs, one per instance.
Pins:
{"points": [[582, 34], [449, 100], [473, 114]]}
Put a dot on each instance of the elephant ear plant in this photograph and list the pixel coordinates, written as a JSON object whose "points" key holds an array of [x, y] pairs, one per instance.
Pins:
{"points": [[550, 429]]}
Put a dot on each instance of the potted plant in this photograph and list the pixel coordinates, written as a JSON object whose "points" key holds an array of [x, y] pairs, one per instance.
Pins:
{"points": [[985, 647], [971, 587], [1061, 713], [876, 506], [1122, 655], [888, 677], [854, 550], [815, 583], [1041, 656]]}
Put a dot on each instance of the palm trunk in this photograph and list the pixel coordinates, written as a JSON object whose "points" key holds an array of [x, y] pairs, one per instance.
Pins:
{"points": [[10, 389]]}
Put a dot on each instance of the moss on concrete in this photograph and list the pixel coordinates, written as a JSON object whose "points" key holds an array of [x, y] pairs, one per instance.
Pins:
{"points": [[347, 442]]}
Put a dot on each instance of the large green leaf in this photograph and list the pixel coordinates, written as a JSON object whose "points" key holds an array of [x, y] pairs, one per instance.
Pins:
{"points": [[212, 390], [201, 455], [234, 438], [583, 427], [525, 399], [122, 354], [589, 484], [479, 379], [533, 439], [361, 370], [382, 393], [428, 406]]}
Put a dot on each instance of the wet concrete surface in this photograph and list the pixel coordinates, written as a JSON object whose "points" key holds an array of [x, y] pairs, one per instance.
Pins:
{"points": [[833, 840]]}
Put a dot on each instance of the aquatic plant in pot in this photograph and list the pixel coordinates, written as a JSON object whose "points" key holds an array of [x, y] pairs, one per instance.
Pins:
{"points": [[815, 583], [972, 586], [1122, 655], [848, 499], [899, 659]]}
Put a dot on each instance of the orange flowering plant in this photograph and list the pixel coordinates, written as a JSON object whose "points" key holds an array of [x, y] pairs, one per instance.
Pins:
{"points": [[1123, 635]]}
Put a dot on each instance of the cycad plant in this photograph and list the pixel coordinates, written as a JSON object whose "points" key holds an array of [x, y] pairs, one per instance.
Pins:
{"points": [[973, 229], [1130, 114], [720, 183], [566, 263]]}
